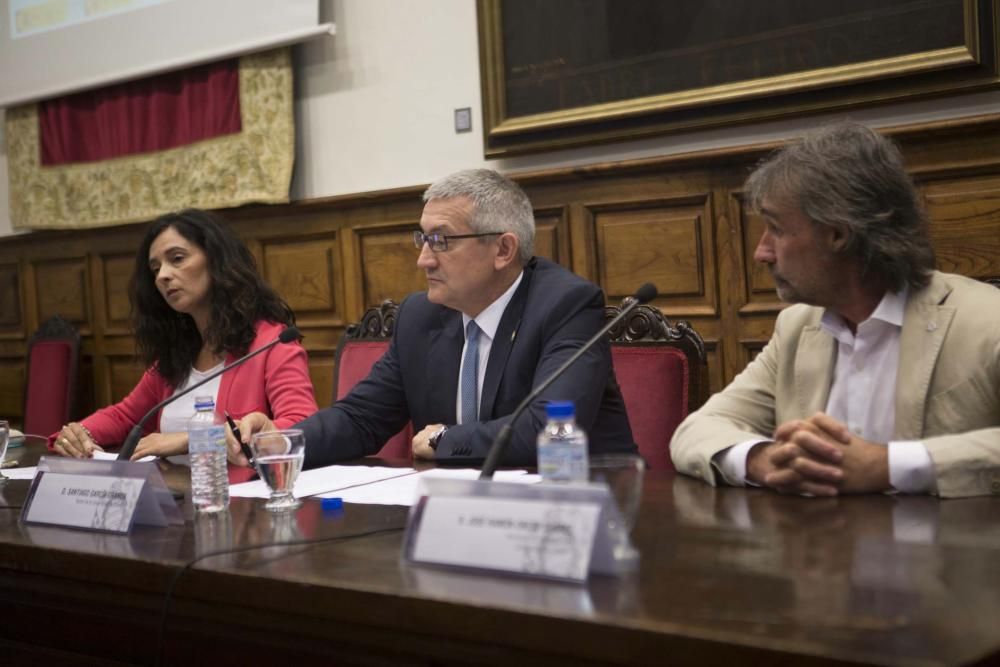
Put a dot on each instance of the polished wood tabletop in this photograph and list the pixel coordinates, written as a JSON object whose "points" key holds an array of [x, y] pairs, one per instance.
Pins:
{"points": [[727, 576]]}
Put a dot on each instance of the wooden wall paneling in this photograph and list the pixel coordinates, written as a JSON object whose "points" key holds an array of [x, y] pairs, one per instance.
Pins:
{"points": [[12, 325], [86, 398], [321, 369], [663, 241], [552, 235], [110, 271], [729, 279], [113, 271], [62, 289], [387, 260], [305, 272], [759, 293], [308, 273], [583, 243], [13, 338], [12, 379], [123, 373], [965, 224]]}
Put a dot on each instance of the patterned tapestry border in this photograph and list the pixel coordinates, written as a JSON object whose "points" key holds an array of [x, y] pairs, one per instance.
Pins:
{"points": [[254, 165]]}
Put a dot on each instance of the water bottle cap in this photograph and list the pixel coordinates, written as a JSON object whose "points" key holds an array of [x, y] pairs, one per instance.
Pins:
{"points": [[560, 409], [328, 504], [204, 402]]}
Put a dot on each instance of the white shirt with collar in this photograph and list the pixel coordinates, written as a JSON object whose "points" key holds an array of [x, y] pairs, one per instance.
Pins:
{"points": [[488, 322], [862, 396]]}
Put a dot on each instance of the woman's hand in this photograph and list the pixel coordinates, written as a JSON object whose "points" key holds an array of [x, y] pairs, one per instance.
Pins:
{"points": [[255, 422], [162, 445], [75, 441]]}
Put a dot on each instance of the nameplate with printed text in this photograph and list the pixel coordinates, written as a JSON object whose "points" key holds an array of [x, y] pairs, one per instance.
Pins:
{"points": [[107, 496], [542, 530]]}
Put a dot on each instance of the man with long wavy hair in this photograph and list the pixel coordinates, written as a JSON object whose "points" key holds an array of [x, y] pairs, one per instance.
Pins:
{"points": [[886, 374]]}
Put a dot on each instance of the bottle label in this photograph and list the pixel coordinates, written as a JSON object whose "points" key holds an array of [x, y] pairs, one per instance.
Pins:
{"points": [[211, 439], [563, 462]]}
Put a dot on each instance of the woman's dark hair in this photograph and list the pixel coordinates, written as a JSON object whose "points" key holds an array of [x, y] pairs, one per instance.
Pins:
{"points": [[239, 298]]}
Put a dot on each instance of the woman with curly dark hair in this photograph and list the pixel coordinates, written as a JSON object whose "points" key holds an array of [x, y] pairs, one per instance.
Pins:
{"points": [[198, 302]]}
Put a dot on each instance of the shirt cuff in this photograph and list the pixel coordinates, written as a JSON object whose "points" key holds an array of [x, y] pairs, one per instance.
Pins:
{"points": [[732, 462], [911, 469]]}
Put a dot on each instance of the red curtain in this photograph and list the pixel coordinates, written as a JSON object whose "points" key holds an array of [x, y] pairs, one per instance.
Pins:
{"points": [[148, 115]]}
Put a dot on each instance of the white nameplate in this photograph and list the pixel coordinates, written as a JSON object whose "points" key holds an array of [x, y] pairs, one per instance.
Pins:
{"points": [[562, 531], [538, 537], [85, 501], [99, 495]]}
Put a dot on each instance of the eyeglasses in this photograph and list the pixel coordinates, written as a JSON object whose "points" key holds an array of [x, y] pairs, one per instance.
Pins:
{"points": [[439, 242]]}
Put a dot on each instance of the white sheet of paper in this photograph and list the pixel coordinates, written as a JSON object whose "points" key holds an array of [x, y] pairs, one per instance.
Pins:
{"points": [[402, 490], [322, 480], [20, 473], [113, 456]]}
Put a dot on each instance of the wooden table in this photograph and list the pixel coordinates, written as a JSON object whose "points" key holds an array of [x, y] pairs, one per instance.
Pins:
{"points": [[728, 576]]}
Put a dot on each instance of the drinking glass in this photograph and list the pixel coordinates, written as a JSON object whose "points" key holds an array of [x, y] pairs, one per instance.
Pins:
{"points": [[278, 457], [623, 474], [4, 438]]}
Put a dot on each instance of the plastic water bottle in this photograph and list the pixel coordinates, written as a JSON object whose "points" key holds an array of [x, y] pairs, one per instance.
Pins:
{"points": [[207, 452], [562, 446]]}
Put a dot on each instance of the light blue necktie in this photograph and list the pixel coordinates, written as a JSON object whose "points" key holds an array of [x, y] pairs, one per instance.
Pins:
{"points": [[470, 374]]}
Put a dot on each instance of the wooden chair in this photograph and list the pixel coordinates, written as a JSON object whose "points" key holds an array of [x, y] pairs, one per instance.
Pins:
{"points": [[50, 391], [663, 374], [362, 345]]}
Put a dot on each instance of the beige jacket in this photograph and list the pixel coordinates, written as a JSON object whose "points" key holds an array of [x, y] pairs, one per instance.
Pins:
{"points": [[948, 387]]}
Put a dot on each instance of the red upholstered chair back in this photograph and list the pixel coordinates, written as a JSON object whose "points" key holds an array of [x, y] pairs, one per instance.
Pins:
{"points": [[662, 372], [50, 392], [362, 345]]}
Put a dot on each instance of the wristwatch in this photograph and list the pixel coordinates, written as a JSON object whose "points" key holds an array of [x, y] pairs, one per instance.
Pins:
{"points": [[436, 437]]}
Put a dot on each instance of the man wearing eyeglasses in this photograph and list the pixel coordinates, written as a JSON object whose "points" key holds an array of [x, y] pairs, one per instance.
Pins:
{"points": [[494, 322]]}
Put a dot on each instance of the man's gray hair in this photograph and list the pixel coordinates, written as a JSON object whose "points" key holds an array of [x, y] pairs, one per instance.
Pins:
{"points": [[499, 204], [849, 177]]}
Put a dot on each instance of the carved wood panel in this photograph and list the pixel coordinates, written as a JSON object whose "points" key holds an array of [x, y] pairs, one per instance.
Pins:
{"points": [[666, 242], [124, 374], [965, 227], [389, 264], [760, 294], [303, 271], [62, 289], [12, 379], [11, 314], [552, 235], [116, 271]]}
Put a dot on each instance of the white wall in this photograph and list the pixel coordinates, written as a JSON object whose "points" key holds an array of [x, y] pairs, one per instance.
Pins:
{"points": [[375, 105]]}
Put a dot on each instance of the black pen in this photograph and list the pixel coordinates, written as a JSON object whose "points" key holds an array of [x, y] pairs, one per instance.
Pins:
{"points": [[236, 434]]}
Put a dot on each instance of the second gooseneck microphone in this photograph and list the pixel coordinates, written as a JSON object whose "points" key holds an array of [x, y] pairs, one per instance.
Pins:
{"points": [[645, 293]]}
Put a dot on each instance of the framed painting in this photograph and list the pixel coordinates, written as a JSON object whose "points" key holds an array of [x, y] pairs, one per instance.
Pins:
{"points": [[559, 73]]}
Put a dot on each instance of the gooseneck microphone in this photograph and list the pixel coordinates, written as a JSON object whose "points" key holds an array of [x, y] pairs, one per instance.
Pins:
{"points": [[287, 335], [642, 295]]}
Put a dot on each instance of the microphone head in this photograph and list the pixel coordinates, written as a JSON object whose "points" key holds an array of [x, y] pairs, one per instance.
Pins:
{"points": [[289, 334], [646, 293]]}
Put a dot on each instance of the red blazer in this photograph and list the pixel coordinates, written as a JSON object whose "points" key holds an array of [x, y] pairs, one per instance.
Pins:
{"points": [[276, 383]]}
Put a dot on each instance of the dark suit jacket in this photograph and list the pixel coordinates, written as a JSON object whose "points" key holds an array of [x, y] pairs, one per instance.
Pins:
{"points": [[552, 313]]}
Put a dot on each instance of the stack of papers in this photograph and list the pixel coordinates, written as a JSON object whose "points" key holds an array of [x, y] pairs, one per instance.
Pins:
{"points": [[371, 485]]}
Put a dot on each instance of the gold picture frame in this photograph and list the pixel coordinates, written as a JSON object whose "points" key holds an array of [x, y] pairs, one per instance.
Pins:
{"points": [[562, 73]]}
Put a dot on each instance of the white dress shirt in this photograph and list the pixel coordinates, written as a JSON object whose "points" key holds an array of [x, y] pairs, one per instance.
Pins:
{"points": [[488, 322], [175, 417], [862, 396]]}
